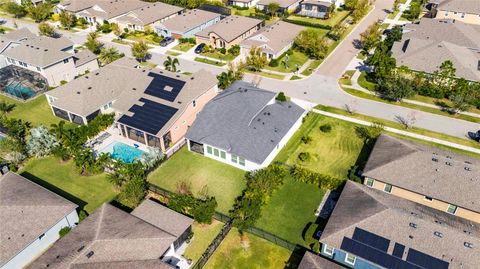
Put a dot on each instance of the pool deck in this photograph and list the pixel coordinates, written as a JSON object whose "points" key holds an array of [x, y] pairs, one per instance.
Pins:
{"points": [[115, 136]]}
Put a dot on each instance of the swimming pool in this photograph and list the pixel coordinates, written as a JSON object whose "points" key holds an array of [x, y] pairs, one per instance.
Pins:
{"points": [[123, 152], [20, 91]]}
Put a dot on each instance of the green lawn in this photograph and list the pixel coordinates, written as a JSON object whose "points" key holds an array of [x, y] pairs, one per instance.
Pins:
{"points": [[89, 192], [332, 21], [297, 59], [364, 83], [203, 235], [311, 68], [266, 74], [223, 181], [208, 61], [243, 12], [217, 55], [290, 209], [184, 46], [37, 111], [253, 253], [172, 53], [348, 77]]}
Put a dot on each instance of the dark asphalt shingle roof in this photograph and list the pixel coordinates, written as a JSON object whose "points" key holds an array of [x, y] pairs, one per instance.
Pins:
{"points": [[314, 261], [245, 121]]}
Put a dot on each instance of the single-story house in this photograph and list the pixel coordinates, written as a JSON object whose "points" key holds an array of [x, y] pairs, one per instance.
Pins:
{"points": [[243, 3], [431, 42], [152, 107], [147, 16], [314, 261], [286, 6], [372, 229], [424, 175], [274, 40], [244, 126], [466, 11], [53, 58], [31, 218], [113, 238], [229, 32], [187, 24], [315, 8]]}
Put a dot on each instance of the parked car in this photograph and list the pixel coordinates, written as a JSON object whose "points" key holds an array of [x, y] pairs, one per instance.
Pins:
{"points": [[166, 41], [199, 48]]}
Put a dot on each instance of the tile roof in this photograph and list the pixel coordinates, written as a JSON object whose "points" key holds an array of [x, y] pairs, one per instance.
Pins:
{"points": [[189, 20], [392, 217], [412, 166], [231, 27], [114, 237], [27, 210], [149, 14], [467, 6], [245, 121]]}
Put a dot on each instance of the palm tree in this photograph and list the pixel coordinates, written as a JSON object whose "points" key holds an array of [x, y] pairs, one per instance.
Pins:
{"points": [[6, 107], [108, 55], [170, 64], [92, 43], [58, 130]]}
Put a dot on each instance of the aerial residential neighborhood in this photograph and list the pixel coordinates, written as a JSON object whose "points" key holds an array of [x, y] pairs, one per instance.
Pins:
{"points": [[309, 134]]}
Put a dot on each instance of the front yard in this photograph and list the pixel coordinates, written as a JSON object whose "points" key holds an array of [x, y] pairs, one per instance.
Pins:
{"points": [[296, 59], [88, 192], [222, 181], [255, 252], [217, 55], [203, 235], [184, 46]]}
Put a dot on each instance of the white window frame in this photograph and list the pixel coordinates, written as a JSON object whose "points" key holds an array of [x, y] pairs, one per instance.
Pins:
{"points": [[454, 212], [366, 182], [385, 187], [428, 198], [350, 255], [329, 253]]}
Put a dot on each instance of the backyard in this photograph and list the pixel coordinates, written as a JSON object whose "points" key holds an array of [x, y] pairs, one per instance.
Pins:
{"points": [[332, 21], [203, 235], [254, 252], [296, 59], [89, 192], [223, 181]]}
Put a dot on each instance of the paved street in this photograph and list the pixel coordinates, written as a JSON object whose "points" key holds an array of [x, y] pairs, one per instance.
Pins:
{"points": [[322, 87]]}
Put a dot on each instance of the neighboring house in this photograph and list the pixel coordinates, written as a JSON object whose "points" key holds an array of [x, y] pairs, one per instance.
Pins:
{"points": [[229, 32], [313, 261], [467, 11], [244, 126], [187, 24], [372, 229], [53, 58], [113, 238], [426, 45], [147, 16], [286, 6], [274, 40], [30, 220], [426, 175], [243, 3], [315, 8], [152, 107]]}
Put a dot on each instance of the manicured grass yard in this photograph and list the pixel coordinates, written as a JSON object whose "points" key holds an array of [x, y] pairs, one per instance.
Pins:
{"points": [[184, 46], [208, 61], [311, 68], [290, 209], [332, 21], [296, 59], [37, 111], [218, 55], [88, 192], [223, 181], [203, 235], [255, 253]]}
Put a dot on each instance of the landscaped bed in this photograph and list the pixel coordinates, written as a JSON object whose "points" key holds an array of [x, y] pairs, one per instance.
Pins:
{"points": [[203, 235], [223, 181], [88, 192], [255, 252]]}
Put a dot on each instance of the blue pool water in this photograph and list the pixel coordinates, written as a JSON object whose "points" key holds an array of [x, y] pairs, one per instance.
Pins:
{"points": [[123, 152], [20, 91]]}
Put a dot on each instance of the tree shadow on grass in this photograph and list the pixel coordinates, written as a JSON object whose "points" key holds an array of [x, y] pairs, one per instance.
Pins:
{"points": [[295, 258], [81, 204]]}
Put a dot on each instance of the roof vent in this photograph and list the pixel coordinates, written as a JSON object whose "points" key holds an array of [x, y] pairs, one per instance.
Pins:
{"points": [[192, 78], [410, 236], [467, 232], [449, 157], [89, 88], [80, 248], [413, 225], [96, 74], [468, 244], [90, 254], [78, 92], [134, 89], [448, 163], [438, 234], [467, 168], [177, 76]]}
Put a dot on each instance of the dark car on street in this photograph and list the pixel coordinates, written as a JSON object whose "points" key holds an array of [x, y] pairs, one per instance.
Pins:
{"points": [[166, 41], [199, 48]]}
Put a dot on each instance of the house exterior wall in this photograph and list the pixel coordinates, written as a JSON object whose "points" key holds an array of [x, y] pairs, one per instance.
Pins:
{"points": [[316, 11], [37, 247], [164, 31], [243, 4], [217, 42], [137, 27], [90, 66], [340, 255], [420, 198], [459, 16], [290, 9]]}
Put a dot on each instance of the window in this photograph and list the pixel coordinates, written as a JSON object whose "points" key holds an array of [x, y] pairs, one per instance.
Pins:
{"points": [[241, 161], [428, 198], [234, 158], [223, 155], [328, 250], [463, 15], [387, 188], [209, 150], [39, 69], [446, 14], [41, 236], [105, 107], [350, 259], [451, 209], [369, 182], [194, 103], [65, 61], [216, 152]]}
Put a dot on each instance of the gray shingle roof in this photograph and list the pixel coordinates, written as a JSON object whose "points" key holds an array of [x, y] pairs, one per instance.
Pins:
{"points": [[27, 210], [189, 20], [390, 217], [14, 36], [83, 57], [410, 165], [281, 3], [467, 6], [114, 8], [245, 121], [163, 217], [314, 261], [114, 236], [150, 14], [231, 27]]}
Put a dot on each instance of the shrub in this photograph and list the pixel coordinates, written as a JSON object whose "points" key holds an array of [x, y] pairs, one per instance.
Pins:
{"points": [[202, 210], [234, 50], [273, 63], [55, 17], [308, 24], [304, 156], [320, 180], [63, 82], [82, 215], [326, 128], [281, 97], [64, 231], [290, 51], [306, 139], [223, 50]]}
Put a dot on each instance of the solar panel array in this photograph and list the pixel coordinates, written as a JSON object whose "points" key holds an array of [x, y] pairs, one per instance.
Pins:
{"points": [[164, 87], [374, 248], [150, 117]]}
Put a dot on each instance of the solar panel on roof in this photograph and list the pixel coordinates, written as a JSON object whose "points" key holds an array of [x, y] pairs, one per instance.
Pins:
{"points": [[371, 239], [398, 250], [150, 117], [164, 87], [425, 260]]}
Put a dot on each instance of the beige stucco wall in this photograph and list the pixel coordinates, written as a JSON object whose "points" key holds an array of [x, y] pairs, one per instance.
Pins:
{"points": [[215, 41], [90, 66], [467, 18], [419, 198]]}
